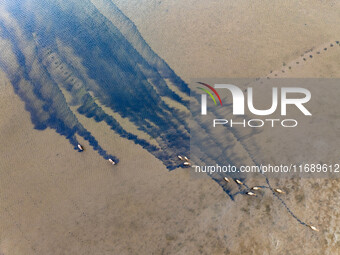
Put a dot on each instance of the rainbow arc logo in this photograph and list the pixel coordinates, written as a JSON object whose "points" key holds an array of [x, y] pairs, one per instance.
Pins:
{"points": [[209, 93]]}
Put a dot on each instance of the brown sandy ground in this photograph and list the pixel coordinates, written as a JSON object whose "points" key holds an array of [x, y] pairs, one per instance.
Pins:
{"points": [[57, 201]]}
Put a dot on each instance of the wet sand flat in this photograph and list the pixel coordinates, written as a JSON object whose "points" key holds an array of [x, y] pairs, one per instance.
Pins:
{"points": [[55, 200]]}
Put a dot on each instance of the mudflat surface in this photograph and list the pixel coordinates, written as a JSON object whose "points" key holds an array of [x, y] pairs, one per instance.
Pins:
{"points": [[55, 200]]}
